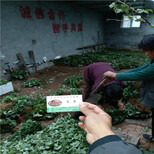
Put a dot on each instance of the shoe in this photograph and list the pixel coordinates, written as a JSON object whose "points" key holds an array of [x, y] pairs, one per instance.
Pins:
{"points": [[148, 137]]}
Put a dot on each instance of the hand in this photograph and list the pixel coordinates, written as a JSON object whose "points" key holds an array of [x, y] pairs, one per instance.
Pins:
{"points": [[109, 75], [121, 105], [97, 123]]}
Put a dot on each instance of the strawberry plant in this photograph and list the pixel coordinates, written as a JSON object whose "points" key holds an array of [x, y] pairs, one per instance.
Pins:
{"points": [[39, 111], [63, 136], [130, 91], [74, 91], [7, 125], [3, 82], [59, 92], [129, 112], [29, 127], [19, 74], [73, 81], [31, 83], [38, 105], [118, 59]]}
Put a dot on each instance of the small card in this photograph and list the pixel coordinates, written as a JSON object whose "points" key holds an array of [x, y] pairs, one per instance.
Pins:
{"points": [[63, 103]]}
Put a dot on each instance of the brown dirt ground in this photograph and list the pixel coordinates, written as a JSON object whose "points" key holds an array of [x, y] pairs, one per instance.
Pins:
{"points": [[52, 77], [56, 73]]}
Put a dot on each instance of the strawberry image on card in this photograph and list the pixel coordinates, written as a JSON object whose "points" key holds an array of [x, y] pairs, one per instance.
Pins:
{"points": [[55, 103]]}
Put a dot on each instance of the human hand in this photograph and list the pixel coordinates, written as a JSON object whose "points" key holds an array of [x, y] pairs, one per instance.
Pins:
{"points": [[121, 106], [97, 123], [109, 75]]}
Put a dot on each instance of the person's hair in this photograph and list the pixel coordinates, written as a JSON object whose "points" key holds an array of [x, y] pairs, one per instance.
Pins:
{"points": [[147, 43], [114, 91]]}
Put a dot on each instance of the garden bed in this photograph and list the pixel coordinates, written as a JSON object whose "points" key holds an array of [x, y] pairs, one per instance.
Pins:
{"points": [[55, 80]]}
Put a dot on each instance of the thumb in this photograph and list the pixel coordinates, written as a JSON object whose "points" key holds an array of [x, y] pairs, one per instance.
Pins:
{"points": [[84, 109]]}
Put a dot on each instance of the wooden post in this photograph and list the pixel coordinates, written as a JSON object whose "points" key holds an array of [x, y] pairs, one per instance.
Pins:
{"points": [[19, 55], [31, 54]]}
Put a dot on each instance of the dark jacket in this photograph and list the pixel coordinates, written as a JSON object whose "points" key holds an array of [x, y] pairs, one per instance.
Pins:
{"points": [[147, 93], [112, 144]]}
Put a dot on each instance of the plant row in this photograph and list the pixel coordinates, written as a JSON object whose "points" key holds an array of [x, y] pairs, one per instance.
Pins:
{"points": [[117, 59]]}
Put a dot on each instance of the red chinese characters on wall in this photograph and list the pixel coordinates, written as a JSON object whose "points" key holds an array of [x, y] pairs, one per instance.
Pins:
{"points": [[51, 15], [57, 28], [39, 13], [73, 28], [65, 27], [61, 15], [79, 27], [25, 12]]}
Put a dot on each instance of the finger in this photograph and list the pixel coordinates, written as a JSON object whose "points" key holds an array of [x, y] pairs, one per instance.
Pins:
{"points": [[82, 118], [95, 108], [84, 109], [83, 126]]}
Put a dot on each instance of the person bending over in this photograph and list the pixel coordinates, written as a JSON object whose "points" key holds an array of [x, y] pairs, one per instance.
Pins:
{"points": [[111, 91]]}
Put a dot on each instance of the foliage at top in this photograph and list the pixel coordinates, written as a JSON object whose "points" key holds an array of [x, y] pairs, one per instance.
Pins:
{"points": [[3, 82], [19, 74], [117, 59], [121, 6]]}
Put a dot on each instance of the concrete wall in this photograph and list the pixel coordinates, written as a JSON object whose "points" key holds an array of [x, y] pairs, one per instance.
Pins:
{"points": [[117, 37], [23, 34]]}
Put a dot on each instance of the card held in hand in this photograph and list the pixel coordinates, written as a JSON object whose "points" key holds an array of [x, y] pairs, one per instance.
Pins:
{"points": [[63, 103]]}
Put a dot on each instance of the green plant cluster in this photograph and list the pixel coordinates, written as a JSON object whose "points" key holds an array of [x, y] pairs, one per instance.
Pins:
{"points": [[31, 83], [3, 82], [71, 91], [7, 125], [19, 74], [130, 91], [73, 81], [26, 128], [63, 136], [20, 103], [39, 111], [117, 59], [130, 112]]}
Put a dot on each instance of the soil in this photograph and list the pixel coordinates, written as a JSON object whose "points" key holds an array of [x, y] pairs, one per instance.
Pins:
{"points": [[52, 77]]}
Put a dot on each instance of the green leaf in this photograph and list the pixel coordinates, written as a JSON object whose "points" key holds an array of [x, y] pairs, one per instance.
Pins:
{"points": [[152, 26], [123, 5], [112, 5], [140, 11], [146, 129], [127, 11], [117, 10], [149, 10], [137, 20]]}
